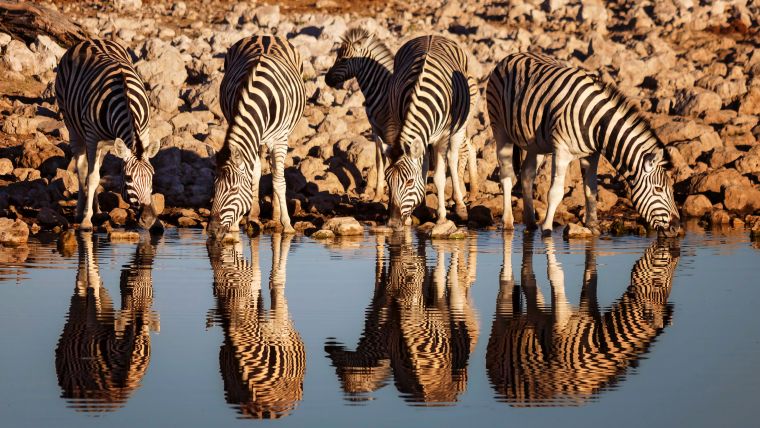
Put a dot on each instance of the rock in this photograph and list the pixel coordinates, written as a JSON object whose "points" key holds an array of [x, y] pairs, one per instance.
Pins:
{"points": [[344, 226], [741, 199], [323, 234], [67, 242], [697, 101], [268, 16], [158, 203], [682, 131], [39, 151], [13, 232], [19, 125], [67, 181], [380, 230], [6, 166], [26, 174], [719, 217], [460, 233], [166, 66], [754, 233], [122, 236], [480, 216], [750, 162], [108, 201], [164, 98], [605, 199], [118, 216], [594, 13], [5, 39], [19, 58], [443, 230], [127, 5], [49, 219], [715, 181], [573, 230], [696, 206], [750, 103], [186, 222]]}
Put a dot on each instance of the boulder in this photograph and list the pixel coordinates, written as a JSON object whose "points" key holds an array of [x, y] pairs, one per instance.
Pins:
{"points": [[573, 230], [480, 216], [443, 230], [118, 216], [696, 206], [741, 199], [67, 182], [750, 162], [344, 226], [39, 151], [123, 236], [13, 232], [6, 166], [697, 101], [750, 103], [19, 125], [19, 58], [127, 5], [715, 181], [323, 234], [49, 219]]}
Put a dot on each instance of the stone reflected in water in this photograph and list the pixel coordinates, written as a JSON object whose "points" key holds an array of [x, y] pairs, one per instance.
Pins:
{"points": [[553, 354], [262, 359], [420, 326], [103, 354]]}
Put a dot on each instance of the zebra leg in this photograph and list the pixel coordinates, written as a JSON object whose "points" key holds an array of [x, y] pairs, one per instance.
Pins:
{"points": [[253, 214], [588, 169], [439, 178], [80, 160], [379, 170], [527, 176], [455, 143], [561, 308], [93, 180], [278, 153], [560, 161], [472, 167], [504, 153]]}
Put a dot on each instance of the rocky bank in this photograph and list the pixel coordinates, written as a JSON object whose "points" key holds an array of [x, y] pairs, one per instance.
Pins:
{"points": [[693, 68]]}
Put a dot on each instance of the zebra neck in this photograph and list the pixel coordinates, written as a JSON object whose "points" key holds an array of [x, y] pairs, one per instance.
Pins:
{"points": [[623, 139], [374, 78]]}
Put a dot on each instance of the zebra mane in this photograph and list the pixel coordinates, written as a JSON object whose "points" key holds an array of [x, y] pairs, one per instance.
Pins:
{"points": [[357, 35], [137, 146]]}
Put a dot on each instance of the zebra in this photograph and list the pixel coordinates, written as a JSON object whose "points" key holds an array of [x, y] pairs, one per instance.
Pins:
{"points": [[103, 354], [363, 56], [432, 97], [420, 326], [540, 106], [551, 354], [105, 107], [262, 359], [262, 98]]}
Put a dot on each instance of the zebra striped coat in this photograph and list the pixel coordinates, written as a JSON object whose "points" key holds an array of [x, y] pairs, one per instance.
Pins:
{"points": [[540, 354], [420, 326], [363, 56], [541, 106], [105, 106], [262, 359], [103, 354], [262, 97], [432, 97]]}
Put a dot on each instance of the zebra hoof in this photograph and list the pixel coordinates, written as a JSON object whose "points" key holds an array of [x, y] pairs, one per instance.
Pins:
{"points": [[85, 227], [507, 225], [462, 213], [288, 230], [546, 233]]}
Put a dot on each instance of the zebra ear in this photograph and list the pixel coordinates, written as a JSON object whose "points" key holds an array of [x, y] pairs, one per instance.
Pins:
{"points": [[650, 162], [151, 150], [121, 150]]}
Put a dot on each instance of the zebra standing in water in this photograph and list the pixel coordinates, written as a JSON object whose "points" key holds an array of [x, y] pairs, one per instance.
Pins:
{"points": [[432, 96], [543, 106], [262, 97], [105, 106], [363, 56]]}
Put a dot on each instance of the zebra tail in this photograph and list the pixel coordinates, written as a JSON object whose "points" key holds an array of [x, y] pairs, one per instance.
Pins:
{"points": [[516, 160]]}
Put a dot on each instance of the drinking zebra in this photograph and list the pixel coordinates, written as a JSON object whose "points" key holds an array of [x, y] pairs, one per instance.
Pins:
{"points": [[103, 353], [262, 359], [362, 56], [262, 97], [540, 106], [432, 96], [105, 106], [550, 353]]}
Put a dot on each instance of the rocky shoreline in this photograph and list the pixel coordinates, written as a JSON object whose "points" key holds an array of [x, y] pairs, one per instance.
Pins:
{"points": [[694, 71]]}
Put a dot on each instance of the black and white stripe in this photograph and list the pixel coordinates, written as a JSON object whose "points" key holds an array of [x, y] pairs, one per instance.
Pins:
{"points": [[262, 97], [548, 353], [432, 97], [103, 354], [104, 105], [540, 106], [262, 359], [362, 56]]}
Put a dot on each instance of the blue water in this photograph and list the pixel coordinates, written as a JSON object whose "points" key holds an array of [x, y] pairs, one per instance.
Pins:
{"points": [[131, 334]]}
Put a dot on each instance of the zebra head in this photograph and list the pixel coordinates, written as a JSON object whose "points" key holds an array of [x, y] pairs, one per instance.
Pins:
{"points": [[355, 48], [138, 180], [652, 194], [232, 192], [406, 184]]}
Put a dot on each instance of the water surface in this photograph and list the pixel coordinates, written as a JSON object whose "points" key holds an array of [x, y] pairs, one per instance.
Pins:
{"points": [[381, 330]]}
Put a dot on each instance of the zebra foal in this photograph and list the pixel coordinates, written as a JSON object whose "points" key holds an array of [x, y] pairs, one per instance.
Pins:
{"points": [[262, 97], [543, 106], [432, 97], [105, 107]]}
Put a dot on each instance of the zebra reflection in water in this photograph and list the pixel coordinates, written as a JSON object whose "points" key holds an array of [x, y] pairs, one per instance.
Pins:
{"points": [[103, 354], [262, 359], [556, 355], [420, 325]]}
